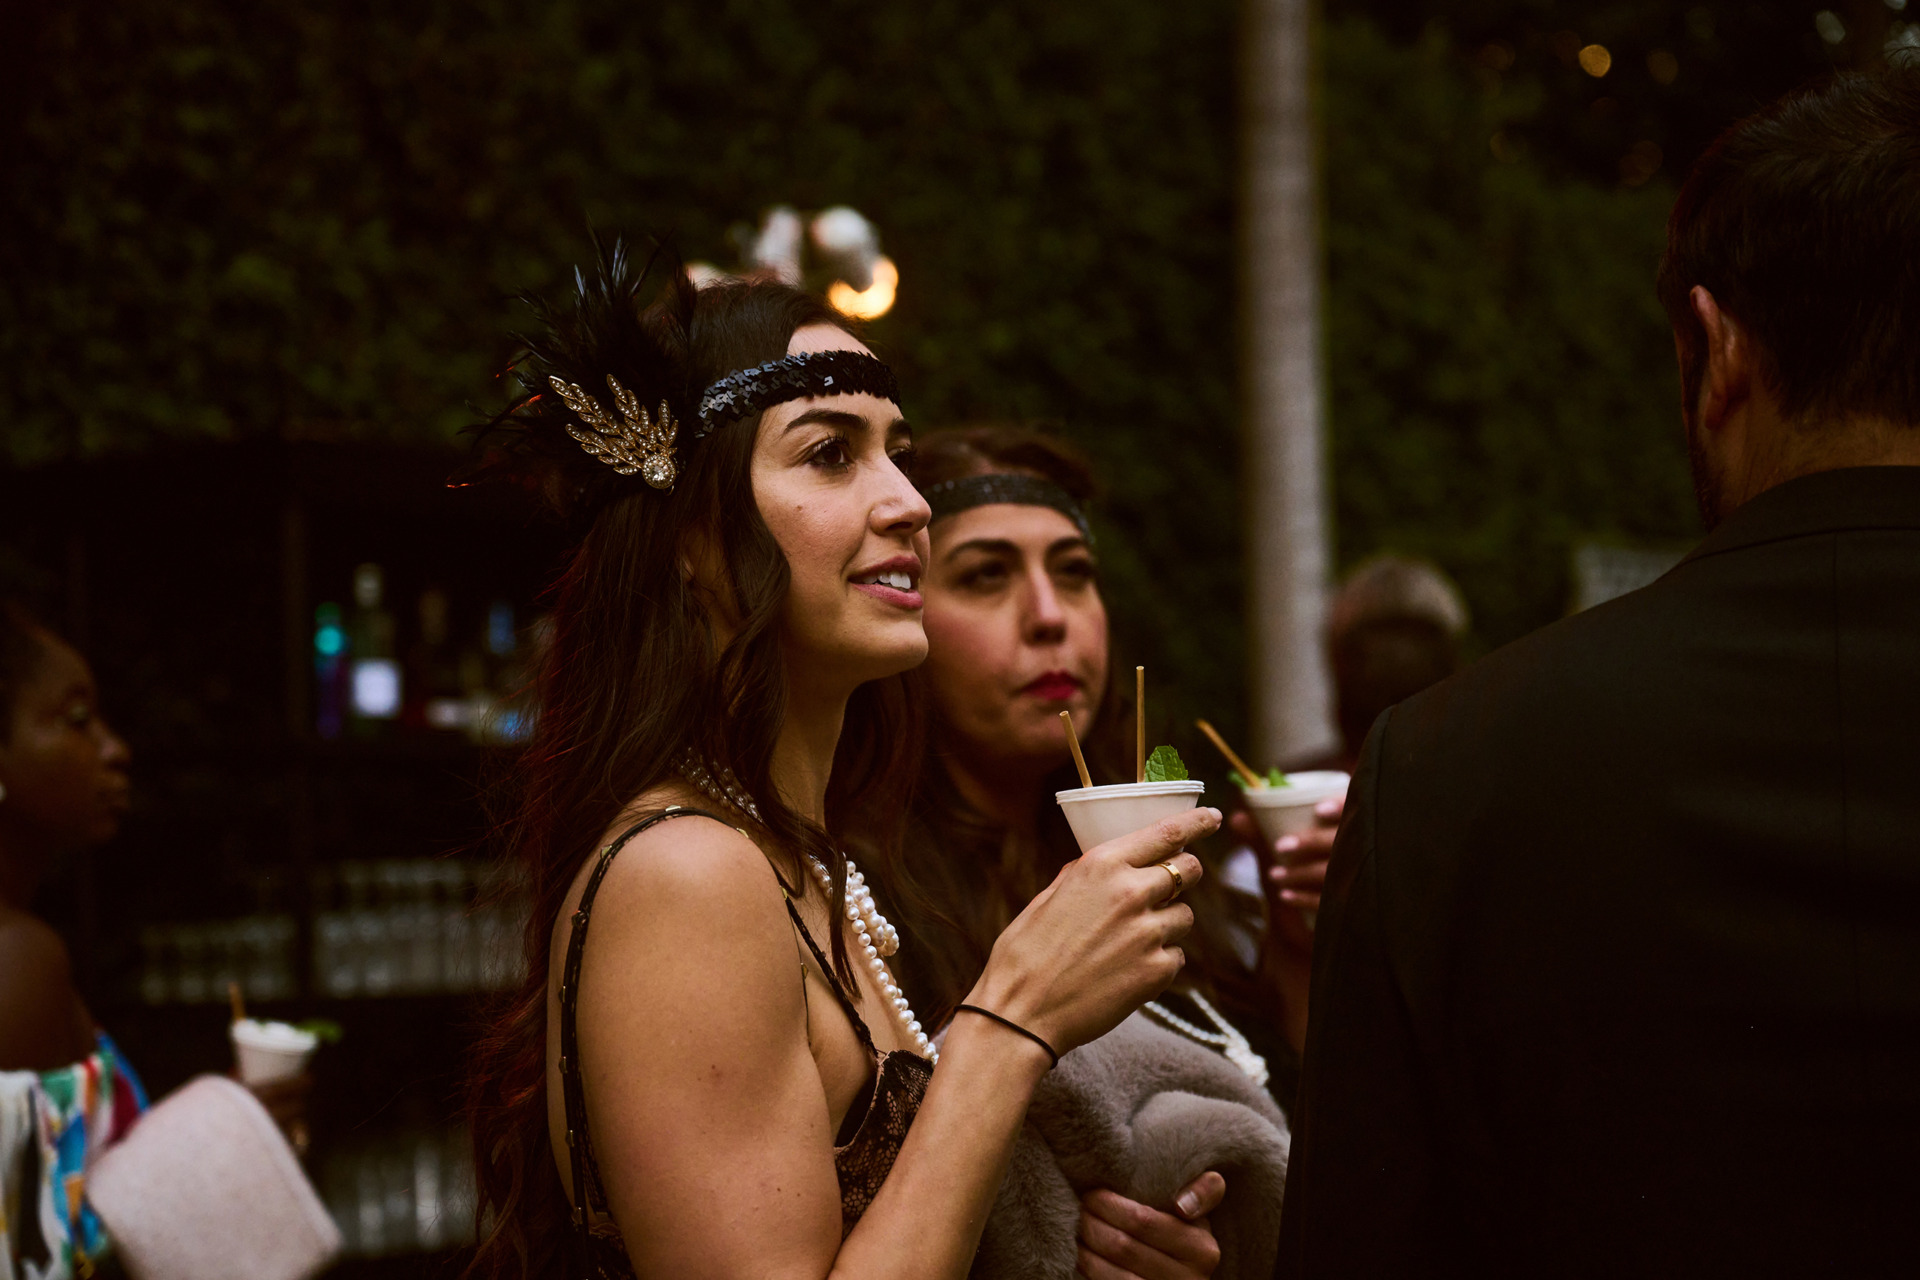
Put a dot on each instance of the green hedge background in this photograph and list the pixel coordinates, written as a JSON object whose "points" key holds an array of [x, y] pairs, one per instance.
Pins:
{"points": [[233, 220]]}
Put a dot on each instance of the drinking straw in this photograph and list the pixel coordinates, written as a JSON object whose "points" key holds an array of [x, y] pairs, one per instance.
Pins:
{"points": [[1247, 775], [1073, 740], [239, 1005], [1139, 724]]}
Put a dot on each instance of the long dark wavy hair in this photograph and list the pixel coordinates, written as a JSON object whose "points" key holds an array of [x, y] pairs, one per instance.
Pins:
{"points": [[634, 673]]}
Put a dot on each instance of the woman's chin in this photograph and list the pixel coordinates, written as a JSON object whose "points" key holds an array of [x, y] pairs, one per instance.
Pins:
{"points": [[908, 653], [889, 655]]}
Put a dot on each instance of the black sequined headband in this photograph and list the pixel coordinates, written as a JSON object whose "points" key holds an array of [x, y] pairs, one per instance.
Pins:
{"points": [[811, 373], [951, 497]]}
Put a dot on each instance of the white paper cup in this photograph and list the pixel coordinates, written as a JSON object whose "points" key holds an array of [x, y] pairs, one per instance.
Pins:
{"points": [[1288, 810], [269, 1051], [1100, 814]]}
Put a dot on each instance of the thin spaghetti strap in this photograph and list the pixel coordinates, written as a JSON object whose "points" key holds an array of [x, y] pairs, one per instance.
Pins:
{"points": [[587, 1194], [839, 992], [806, 998]]}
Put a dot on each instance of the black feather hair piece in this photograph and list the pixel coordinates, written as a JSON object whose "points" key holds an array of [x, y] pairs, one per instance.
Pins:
{"points": [[618, 321]]}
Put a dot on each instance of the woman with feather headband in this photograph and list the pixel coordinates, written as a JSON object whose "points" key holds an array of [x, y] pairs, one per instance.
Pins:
{"points": [[726, 1081]]}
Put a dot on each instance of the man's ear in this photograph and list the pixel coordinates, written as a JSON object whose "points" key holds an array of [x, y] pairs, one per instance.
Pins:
{"points": [[1727, 373]]}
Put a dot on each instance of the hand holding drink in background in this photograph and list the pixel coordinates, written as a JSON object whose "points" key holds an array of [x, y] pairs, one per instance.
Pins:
{"points": [[271, 1059], [1291, 821]]}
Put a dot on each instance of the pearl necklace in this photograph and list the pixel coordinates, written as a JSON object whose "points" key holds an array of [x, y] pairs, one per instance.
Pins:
{"points": [[1227, 1039], [876, 938]]}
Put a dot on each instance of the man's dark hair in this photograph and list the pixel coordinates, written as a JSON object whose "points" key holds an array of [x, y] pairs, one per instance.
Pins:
{"points": [[1803, 221]]}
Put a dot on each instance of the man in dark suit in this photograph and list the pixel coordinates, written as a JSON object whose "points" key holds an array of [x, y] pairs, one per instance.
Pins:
{"points": [[1618, 968]]}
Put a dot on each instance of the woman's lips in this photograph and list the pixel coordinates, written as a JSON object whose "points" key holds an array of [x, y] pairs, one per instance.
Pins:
{"points": [[1054, 686], [891, 595]]}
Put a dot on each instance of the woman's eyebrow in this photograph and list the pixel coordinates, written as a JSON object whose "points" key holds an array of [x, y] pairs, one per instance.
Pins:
{"points": [[1073, 542], [991, 546], [832, 417]]}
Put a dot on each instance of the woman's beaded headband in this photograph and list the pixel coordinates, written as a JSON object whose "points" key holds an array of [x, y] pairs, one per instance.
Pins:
{"points": [[811, 373], [950, 497], [638, 443]]}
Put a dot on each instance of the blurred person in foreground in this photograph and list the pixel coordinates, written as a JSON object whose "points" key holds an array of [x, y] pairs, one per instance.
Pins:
{"points": [[1619, 967], [66, 1093], [1017, 632], [64, 789]]}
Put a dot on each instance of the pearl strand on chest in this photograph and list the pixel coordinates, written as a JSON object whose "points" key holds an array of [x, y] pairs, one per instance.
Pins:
{"points": [[875, 937], [1228, 1040]]}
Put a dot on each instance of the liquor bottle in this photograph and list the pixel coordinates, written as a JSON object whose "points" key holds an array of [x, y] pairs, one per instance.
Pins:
{"points": [[432, 676], [376, 673], [330, 675]]}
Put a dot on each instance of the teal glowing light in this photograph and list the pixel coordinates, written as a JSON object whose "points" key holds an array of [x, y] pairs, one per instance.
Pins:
{"points": [[329, 641]]}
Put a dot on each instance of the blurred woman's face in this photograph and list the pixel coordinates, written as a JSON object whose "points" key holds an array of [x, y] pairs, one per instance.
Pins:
{"points": [[828, 478], [1016, 633], [64, 770]]}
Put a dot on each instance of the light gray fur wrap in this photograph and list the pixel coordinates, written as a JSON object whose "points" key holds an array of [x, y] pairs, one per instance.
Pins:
{"points": [[1142, 1111]]}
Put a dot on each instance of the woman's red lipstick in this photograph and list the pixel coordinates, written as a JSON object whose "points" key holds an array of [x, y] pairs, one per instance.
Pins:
{"points": [[1054, 686]]}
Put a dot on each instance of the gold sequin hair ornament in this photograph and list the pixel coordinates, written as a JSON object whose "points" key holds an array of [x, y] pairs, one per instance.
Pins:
{"points": [[635, 443]]}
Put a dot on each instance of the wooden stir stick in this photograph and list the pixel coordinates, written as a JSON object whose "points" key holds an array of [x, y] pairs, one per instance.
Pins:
{"points": [[1073, 741], [1247, 775], [1140, 724], [239, 1005]]}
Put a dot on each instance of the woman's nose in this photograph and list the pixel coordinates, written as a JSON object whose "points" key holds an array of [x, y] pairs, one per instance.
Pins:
{"points": [[900, 509], [1046, 620], [113, 751]]}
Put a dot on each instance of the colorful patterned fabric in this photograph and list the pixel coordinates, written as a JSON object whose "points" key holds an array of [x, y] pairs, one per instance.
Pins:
{"points": [[53, 1125]]}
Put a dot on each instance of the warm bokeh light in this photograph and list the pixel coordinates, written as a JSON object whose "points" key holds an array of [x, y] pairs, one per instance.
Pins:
{"points": [[1595, 60], [1663, 66], [871, 302]]}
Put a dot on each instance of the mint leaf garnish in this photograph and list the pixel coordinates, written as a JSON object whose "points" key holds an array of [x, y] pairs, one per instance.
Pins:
{"points": [[1275, 778], [1165, 765]]}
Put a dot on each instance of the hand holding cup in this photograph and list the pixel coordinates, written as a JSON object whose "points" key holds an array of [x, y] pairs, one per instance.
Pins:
{"points": [[1102, 938]]}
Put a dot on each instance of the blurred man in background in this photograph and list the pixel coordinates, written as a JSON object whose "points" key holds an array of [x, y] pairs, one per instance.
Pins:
{"points": [[1394, 629], [1618, 970]]}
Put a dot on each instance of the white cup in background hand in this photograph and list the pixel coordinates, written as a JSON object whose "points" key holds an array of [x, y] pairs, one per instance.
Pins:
{"points": [[268, 1051]]}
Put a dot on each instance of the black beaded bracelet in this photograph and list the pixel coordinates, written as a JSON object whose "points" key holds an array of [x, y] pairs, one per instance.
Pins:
{"points": [[1010, 1025]]}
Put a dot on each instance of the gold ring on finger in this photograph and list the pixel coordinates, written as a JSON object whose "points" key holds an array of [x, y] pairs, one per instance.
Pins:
{"points": [[1179, 881]]}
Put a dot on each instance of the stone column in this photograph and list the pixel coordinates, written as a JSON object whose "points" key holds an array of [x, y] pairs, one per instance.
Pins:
{"points": [[1283, 396]]}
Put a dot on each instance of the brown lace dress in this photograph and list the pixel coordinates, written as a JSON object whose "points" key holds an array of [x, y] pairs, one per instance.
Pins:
{"points": [[864, 1151]]}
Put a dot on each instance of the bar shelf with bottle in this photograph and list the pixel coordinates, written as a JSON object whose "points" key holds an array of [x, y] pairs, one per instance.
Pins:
{"points": [[315, 652]]}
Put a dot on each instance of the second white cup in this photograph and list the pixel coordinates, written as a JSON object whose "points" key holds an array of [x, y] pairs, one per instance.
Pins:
{"points": [[1289, 810]]}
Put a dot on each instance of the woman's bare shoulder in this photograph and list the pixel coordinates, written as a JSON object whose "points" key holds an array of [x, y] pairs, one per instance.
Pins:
{"points": [[693, 866], [689, 926], [41, 1018]]}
